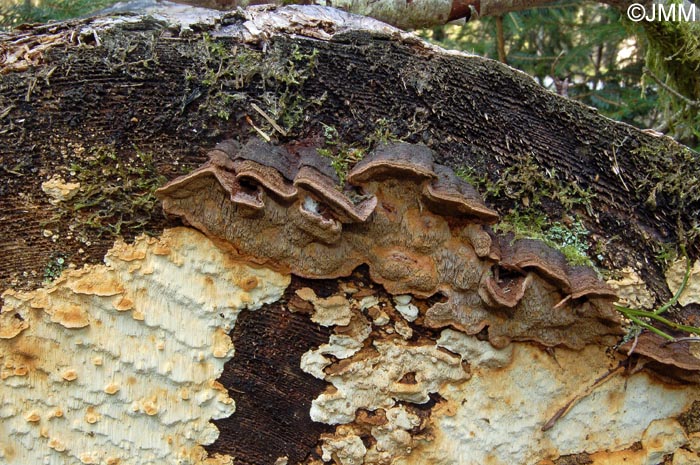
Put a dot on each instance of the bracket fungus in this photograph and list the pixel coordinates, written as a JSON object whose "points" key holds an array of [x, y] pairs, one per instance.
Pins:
{"points": [[419, 228], [678, 360]]}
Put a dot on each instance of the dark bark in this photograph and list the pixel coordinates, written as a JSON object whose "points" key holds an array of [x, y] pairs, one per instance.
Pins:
{"points": [[148, 87]]}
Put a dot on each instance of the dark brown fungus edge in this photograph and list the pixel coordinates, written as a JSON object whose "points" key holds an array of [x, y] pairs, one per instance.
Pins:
{"points": [[449, 194], [312, 180], [533, 254], [585, 283], [185, 185], [269, 155], [666, 358], [304, 222], [504, 292], [394, 160], [266, 176]]}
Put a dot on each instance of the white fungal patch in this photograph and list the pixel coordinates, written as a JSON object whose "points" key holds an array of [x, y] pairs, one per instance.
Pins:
{"points": [[118, 363], [331, 311], [374, 379], [311, 206], [405, 307], [497, 416], [394, 438]]}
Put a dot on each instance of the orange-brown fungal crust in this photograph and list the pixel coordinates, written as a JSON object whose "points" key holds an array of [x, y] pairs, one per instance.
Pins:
{"points": [[419, 228]]}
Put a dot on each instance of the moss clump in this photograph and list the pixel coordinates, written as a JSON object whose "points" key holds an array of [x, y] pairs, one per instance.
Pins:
{"points": [[224, 70], [116, 195], [570, 238], [343, 156], [671, 184], [469, 174], [529, 183]]}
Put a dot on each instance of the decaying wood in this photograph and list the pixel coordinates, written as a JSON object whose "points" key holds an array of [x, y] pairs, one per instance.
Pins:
{"points": [[109, 103], [141, 84]]}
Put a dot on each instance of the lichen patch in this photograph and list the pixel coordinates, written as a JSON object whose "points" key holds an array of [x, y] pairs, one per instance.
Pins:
{"points": [[109, 363]]}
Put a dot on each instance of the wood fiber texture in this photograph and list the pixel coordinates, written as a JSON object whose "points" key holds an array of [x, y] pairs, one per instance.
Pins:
{"points": [[144, 87], [272, 394]]}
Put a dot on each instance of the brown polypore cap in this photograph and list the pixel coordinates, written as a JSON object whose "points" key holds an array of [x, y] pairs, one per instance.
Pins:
{"points": [[309, 156], [188, 184], [270, 155], [673, 359], [344, 209], [547, 261], [229, 147], [462, 311], [585, 282], [506, 292], [396, 160], [249, 197], [450, 195], [220, 159], [266, 176]]}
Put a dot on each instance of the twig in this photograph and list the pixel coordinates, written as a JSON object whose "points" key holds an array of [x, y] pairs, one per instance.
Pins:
{"points": [[268, 119], [634, 344], [500, 40], [562, 302], [616, 168], [258, 130], [689, 102], [681, 339], [569, 405]]}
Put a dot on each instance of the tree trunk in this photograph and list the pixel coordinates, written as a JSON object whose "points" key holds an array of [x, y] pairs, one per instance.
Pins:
{"points": [[106, 110]]}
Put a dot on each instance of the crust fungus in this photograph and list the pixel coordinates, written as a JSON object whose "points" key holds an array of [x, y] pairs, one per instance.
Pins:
{"points": [[138, 390], [419, 228]]}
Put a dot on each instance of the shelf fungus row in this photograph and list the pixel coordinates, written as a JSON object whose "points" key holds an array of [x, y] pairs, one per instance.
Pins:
{"points": [[419, 228]]}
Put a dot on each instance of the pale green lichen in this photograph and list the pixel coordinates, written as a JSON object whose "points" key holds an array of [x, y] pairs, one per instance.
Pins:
{"points": [[571, 238]]}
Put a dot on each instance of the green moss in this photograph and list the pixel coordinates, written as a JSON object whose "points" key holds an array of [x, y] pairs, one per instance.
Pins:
{"points": [[666, 253], [469, 174], [116, 194], [225, 70], [343, 156], [672, 184], [673, 50], [528, 183], [383, 133], [571, 239]]}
